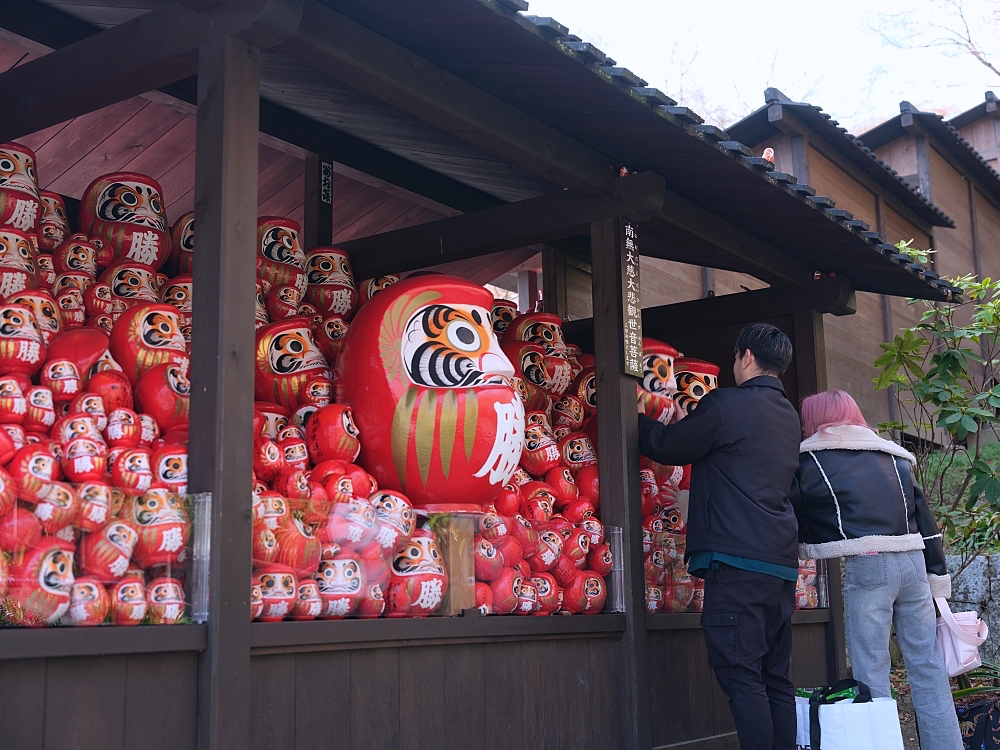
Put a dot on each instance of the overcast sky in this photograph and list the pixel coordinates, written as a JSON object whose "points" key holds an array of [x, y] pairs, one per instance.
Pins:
{"points": [[718, 57]]}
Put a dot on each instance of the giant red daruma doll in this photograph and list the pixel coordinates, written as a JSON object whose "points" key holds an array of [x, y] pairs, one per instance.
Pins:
{"points": [[126, 211], [430, 392]]}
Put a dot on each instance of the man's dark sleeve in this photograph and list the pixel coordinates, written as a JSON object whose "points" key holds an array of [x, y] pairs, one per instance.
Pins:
{"points": [[683, 442]]}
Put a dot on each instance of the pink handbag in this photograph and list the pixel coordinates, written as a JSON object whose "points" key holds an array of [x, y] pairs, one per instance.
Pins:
{"points": [[959, 636]]}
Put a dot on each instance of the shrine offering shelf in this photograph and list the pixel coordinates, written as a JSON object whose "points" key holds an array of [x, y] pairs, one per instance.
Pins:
{"points": [[32, 643], [692, 620]]}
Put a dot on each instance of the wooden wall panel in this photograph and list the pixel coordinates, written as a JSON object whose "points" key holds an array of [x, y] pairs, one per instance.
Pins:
{"points": [[323, 701], [852, 345], [982, 135], [988, 223], [85, 703], [832, 181], [951, 194], [579, 296], [808, 667], [901, 155], [166, 718], [272, 701], [666, 282], [730, 282], [22, 702], [782, 145], [687, 701], [543, 695], [422, 705]]}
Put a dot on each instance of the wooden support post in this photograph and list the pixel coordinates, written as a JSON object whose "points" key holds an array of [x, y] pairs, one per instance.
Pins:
{"points": [[527, 290], [810, 363], [707, 282], [618, 446], [222, 373], [888, 332], [554, 281], [317, 224]]}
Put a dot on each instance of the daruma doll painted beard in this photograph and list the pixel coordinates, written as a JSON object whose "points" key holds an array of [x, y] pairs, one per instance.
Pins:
{"points": [[430, 391]]}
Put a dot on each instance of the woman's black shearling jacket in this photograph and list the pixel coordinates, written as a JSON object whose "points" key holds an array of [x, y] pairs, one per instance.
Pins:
{"points": [[854, 493]]}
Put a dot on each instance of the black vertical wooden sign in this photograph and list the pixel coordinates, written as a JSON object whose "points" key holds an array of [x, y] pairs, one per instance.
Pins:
{"points": [[628, 244], [618, 447]]}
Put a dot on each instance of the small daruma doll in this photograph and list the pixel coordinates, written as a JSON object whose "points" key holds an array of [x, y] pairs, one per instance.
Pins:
{"points": [[163, 526], [165, 597], [128, 600], [145, 336], [341, 580], [287, 358], [54, 224], [695, 378], [331, 284], [88, 602], [418, 581], [22, 350], [430, 391], [126, 211], [41, 579], [331, 435], [19, 200], [280, 259]]}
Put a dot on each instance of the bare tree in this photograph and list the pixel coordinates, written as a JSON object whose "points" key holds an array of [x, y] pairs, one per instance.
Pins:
{"points": [[961, 26]]}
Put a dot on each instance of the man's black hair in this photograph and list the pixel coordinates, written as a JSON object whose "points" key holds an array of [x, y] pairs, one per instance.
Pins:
{"points": [[771, 348]]}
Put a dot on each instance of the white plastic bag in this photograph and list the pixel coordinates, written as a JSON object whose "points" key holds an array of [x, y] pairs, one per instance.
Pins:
{"points": [[846, 725]]}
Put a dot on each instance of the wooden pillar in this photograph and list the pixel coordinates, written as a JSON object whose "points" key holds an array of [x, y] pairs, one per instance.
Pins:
{"points": [[554, 281], [707, 282], [317, 219], [527, 290], [810, 363], [222, 373], [618, 447]]}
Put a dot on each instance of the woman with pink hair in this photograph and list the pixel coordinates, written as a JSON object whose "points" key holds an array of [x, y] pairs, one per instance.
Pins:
{"points": [[856, 497]]}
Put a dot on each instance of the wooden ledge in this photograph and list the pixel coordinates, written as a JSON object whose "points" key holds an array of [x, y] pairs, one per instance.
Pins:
{"points": [[692, 620], [41, 643], [333, 635]]}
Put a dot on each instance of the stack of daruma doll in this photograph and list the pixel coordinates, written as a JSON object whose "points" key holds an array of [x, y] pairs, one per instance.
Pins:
{"points": [[94, 402]]}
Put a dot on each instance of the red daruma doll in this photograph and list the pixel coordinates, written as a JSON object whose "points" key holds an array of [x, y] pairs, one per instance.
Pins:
{"points": [[418, 581], [40, 583], [128, 600], [165, 597], [341, 581], [430, 392], [163, 527]]}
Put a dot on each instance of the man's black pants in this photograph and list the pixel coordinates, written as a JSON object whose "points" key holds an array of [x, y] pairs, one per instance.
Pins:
{"points": [[748, 631]]}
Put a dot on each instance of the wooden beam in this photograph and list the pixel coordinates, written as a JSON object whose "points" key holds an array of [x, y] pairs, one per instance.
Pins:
{"points": [[541, 219], [350, 52], [618, 447], [222, 373], [833, 295], [527, 291], [554, 281], [53, 29], [145, 53], [770, 264]]}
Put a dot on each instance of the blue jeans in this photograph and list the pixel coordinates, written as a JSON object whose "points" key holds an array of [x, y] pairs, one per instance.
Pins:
{"points": [[891, 588]]}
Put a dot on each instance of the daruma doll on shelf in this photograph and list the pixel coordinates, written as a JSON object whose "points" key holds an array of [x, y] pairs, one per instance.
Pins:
{"points": [[430, 391]]}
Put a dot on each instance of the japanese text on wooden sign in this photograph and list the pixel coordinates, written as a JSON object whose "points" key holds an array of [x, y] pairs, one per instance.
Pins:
{"points": [[631, 303], [326, 182]]}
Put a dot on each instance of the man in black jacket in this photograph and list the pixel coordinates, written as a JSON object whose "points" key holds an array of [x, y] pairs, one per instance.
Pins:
{"points": [[742, 536]]}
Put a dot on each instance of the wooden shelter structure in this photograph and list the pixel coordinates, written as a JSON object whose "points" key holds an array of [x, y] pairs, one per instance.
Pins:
{"points": [[808, 143], [463, 132]]}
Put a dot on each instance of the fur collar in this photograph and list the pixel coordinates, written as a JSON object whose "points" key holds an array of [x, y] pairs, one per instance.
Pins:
{"points": [[853, 438]]}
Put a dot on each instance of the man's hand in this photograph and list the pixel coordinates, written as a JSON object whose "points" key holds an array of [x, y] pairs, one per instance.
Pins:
{"points": [[678, 414]]}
